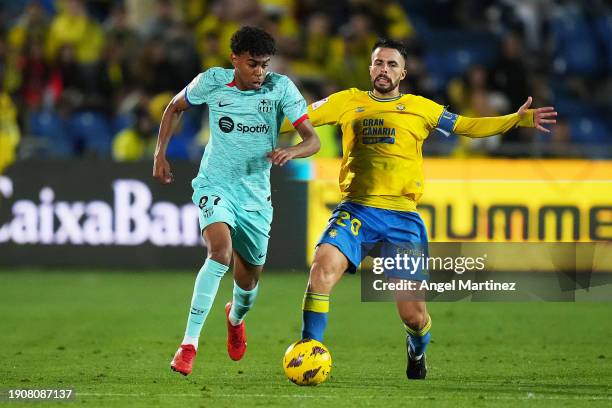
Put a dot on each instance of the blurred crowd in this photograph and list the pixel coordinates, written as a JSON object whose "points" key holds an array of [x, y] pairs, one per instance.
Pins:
{"points": [[91, 77]]}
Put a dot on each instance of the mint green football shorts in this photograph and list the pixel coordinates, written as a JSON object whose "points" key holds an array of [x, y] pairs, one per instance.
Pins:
{"points": [[250, 230]]}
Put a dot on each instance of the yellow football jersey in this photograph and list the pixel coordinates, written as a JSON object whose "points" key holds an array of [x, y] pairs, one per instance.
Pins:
{"points": [[382, 139]]}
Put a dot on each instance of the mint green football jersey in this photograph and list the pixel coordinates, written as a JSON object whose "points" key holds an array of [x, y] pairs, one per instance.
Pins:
{"points": [[244, 127]]}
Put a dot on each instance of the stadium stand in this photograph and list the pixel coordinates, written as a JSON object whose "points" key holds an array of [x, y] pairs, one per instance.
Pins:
{"points": [[78, 71]]}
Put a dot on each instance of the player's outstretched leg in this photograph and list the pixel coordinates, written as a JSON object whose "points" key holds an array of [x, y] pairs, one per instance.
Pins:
{"points": [[218, 241], [327, 268], [246, 278], [418, 325], [205, 289]]}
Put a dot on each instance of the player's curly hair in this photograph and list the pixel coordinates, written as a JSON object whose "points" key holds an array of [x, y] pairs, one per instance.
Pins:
{"points": [[389, 43], [253, 40]]}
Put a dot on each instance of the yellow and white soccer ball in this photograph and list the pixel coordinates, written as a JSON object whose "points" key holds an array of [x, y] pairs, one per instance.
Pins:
{"points": [[307, 362]]}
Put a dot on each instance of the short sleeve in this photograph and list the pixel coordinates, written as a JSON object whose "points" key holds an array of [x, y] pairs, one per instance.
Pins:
{"points": [[293, 104], [199, 88], [433, 112], [438, 117]]}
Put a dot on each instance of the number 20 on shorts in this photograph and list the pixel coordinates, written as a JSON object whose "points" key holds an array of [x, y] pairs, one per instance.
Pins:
{"points": [[355, 223]]}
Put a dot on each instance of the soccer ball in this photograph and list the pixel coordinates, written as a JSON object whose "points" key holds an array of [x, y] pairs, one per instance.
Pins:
{"points": [[307, 362]]}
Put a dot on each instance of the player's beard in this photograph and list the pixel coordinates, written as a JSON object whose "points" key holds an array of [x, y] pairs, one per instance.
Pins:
{"points": [[387, 88]]}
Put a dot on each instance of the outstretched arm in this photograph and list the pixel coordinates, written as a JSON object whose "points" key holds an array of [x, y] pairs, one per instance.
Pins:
{"points": [[171, 116], [525, 117], [309, 145]]}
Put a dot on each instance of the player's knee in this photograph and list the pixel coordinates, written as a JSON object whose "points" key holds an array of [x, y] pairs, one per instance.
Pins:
{"points": [[415, 319], [220, 253], [328, 266], [322, 277]]}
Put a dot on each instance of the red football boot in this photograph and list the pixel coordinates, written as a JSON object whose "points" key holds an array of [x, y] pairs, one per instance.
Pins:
{"points": [[236, 337], [183, 359]]}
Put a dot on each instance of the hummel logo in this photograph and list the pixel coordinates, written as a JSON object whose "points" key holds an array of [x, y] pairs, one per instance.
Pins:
{"points": [[221, 104]]}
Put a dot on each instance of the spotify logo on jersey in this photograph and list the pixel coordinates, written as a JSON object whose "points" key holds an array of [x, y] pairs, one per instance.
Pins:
{"points": [[226, 124]]}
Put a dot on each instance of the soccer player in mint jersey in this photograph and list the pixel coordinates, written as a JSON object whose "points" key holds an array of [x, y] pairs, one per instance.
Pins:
{"points": [[246, 107], [381, 180]]}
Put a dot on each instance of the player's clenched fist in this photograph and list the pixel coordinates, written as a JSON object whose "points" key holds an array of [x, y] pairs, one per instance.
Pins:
{"points": [[281, 156], [161, 170]]}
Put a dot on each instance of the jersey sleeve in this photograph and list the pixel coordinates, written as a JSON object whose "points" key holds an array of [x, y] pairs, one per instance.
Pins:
{"points": [[326, 111], [199, 88], [489, 126], [435, 115], [448, 122], [293, 104]]}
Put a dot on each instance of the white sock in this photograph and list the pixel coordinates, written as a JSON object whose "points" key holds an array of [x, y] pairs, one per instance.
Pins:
{"points": [[191, 340], [234, 321]]}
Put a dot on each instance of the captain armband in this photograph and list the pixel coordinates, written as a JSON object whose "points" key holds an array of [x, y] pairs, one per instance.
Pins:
{"points": [[446, 123]]}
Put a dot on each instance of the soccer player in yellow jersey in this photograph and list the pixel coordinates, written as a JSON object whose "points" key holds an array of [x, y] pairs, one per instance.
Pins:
{"points": [[381, 180]]}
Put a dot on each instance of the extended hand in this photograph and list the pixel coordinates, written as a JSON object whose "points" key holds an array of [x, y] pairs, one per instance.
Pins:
{"points": [[541, 116], [161, 170], [281, 156]]}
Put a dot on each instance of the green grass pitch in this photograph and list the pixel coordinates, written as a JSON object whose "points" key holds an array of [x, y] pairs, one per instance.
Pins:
{"points": [[111, 335]]}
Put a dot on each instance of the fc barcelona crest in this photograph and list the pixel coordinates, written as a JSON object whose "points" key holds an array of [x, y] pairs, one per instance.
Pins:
{"points": [[265, 106]]}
